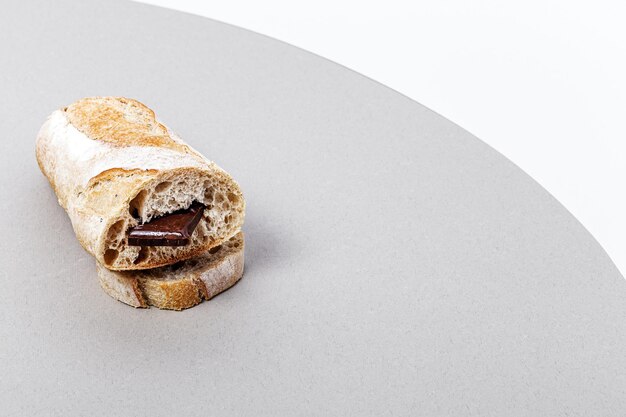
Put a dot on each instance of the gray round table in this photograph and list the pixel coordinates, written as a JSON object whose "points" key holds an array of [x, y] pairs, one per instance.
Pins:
{"points": [[396, 265]]}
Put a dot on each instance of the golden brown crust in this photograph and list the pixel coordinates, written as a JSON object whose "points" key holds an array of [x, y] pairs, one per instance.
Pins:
{"points": [[139, 294], [120, 121], [181, 286], [172, 295]]}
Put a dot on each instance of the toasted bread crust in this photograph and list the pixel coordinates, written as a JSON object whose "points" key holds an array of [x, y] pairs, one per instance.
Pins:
{"points": [[178, 287], [120, 121]]}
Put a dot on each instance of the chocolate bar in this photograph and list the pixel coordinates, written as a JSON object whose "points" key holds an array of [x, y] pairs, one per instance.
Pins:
{"points": [[173, 229]]}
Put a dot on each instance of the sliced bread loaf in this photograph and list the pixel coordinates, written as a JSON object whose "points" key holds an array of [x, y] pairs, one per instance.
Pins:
{"points": [[181, 285]]}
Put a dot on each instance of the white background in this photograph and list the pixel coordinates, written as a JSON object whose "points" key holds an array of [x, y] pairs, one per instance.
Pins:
{"points": [[543, 82]]}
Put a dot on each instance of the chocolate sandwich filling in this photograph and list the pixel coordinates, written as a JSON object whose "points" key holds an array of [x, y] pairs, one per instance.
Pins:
{"points": [[173, 229]]}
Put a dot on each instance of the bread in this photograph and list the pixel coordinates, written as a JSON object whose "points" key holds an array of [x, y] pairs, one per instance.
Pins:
{"points": [[181, 285], [113, 166]]}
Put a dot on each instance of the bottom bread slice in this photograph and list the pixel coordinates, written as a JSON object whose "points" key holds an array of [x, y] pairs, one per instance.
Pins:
{"points": [[181, 285]]}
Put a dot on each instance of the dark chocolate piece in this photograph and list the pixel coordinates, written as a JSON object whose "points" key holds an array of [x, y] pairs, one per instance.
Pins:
{"points": [[170, 230]]}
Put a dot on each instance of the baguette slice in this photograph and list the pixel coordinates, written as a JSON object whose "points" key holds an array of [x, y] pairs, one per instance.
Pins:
{"points": [[179, 286], [113, 165]]}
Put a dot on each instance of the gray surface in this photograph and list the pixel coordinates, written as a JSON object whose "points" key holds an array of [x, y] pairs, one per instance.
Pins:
{"points": [[396, 265]]}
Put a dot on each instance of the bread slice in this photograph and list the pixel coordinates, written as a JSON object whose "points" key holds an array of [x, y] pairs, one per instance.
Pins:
{"points": [[178, 286], [113, 166]]}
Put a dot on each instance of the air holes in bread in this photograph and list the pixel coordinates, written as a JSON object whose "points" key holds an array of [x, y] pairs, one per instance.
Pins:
{"points": [[110, 256], [115, 230], [215, 249], [142, 255], [163, 186], [136, 204], [233, 198], [208, 191], [222, 217]]}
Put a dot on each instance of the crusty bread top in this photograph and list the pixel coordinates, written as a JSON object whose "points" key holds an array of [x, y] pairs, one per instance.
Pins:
{"points": [[112, 175], [120, 121]]}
